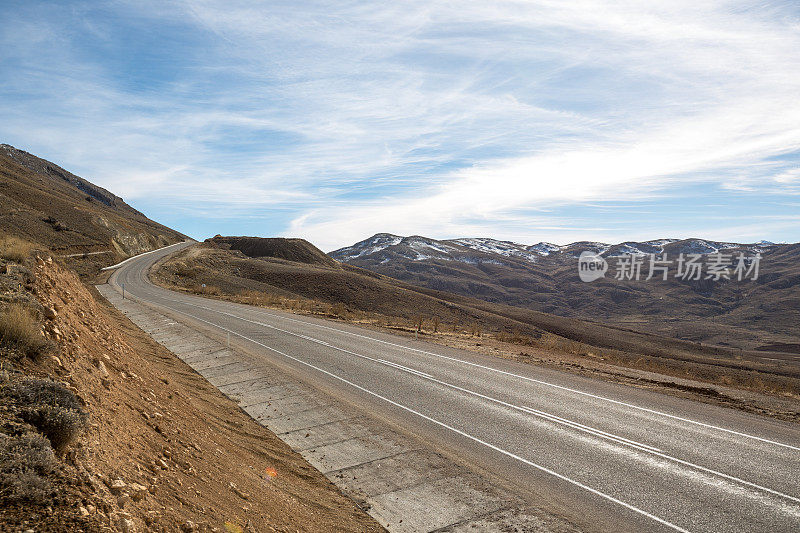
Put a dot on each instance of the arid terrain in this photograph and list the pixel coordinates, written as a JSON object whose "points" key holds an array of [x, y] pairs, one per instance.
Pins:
{"points": [[104, 429], [101, 428], [85, 226], [219, 268], [748, 314]]}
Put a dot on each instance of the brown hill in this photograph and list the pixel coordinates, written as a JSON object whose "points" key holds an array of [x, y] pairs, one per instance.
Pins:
{"points": [[297, 250], [44, 204], [355, 294], [544, 278]]}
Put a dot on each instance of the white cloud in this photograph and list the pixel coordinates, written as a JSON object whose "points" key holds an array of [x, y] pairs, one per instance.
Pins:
{"points": [[442, 118], [728, 101]]}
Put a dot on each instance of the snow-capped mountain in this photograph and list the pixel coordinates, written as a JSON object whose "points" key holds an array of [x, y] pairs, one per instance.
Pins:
{"points": [[503, 248], [544, 277], [544, 248], [384, 246], [374, 244]]}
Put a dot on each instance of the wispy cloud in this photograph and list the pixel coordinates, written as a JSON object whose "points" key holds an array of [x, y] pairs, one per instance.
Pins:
{"points": [[502, 118]]}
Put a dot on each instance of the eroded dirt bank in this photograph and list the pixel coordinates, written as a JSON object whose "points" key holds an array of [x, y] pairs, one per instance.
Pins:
{"points": [[161, 449]]}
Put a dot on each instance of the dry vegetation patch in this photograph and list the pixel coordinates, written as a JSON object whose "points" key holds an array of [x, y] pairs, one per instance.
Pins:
{"points": [[14, 249], [26, 461], [49, 407], [20, 330]]}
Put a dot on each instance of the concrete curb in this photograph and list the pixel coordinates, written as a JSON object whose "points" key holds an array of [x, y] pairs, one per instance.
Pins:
{"points": [[121, 263], [402, 483]]}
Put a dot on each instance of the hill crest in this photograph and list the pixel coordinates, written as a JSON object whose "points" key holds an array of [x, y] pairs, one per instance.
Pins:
{"points": [[288, 249]]}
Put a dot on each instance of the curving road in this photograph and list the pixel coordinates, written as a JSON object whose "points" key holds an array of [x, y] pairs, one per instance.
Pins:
{"points": [[606, 456]]}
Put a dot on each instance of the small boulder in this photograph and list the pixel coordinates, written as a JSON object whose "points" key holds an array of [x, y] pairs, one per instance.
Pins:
{"points": [[123, 499], [239, 492], [126, 525], [117, 486], [189, 527], [137, 491]]}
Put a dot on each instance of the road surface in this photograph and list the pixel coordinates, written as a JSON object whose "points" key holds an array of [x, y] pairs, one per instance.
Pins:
{"points": [[606, 456]]}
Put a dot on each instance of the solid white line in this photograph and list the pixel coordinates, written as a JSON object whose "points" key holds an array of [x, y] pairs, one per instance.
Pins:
{"points": [[541, 414], [401, 367], [554, 418], [142, 254], [583, 393], [88, 253], [589, 429], [458, 431], [526, 378]]}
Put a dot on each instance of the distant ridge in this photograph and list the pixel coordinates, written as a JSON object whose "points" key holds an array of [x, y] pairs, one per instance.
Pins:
{"points": [[544, 277], [424, 246]]}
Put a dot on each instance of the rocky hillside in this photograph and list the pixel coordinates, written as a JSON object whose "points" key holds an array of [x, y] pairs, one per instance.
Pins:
{"points": [[102, 429], [45, 204], [544, 277]]}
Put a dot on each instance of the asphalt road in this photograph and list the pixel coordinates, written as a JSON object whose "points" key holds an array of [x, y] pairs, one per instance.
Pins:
{"points": [[606, 456]]}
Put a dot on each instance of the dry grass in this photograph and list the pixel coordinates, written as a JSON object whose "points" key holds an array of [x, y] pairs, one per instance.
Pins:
{"points": [[14, 249], [338, 310], [25, 463], [49, 407], [20, 330], [185, 271]]}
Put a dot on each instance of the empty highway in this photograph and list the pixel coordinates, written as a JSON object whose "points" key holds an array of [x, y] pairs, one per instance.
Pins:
{"points": [[605, 456]]}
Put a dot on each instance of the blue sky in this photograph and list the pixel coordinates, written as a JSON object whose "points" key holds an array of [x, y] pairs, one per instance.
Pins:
{"points": [[528, 121]]}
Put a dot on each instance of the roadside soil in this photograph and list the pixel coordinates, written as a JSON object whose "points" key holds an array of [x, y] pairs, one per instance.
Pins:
{"points": [[164, 450]]}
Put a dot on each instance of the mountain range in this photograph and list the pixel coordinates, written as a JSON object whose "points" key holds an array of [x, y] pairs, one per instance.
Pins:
{"points": [[471, 250], [750, 313]]}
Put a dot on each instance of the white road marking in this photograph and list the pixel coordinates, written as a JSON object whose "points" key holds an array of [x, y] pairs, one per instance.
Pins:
{"points": [[401, 367], [588, 429], [526, 378], [121, 263], [543, 414], [458, 431]]}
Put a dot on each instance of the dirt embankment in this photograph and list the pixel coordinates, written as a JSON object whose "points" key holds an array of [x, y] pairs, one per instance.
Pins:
{"points": [[160, 449]]}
